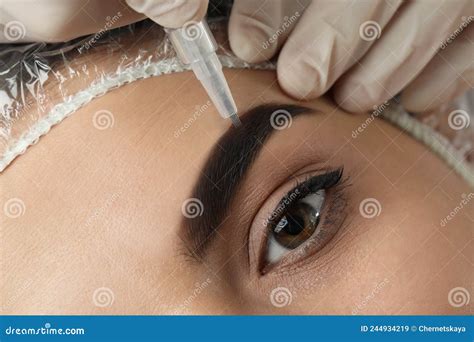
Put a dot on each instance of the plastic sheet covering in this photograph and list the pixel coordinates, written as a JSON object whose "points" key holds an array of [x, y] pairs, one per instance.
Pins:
{"points": [[41, 84]]}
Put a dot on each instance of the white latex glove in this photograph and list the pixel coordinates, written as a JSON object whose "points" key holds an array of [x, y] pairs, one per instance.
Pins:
{"points": [[366, 51], [62, 20], [171, 13]]}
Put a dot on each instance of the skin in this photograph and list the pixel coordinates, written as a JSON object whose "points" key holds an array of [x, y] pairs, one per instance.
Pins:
{"points": [[103, 209]]}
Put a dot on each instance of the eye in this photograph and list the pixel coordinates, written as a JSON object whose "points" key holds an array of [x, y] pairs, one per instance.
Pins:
{"points": [[296, 226], [306, 219]]}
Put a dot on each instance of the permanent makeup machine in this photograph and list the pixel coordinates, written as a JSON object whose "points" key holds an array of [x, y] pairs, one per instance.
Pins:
{"points": [[196, 46]]}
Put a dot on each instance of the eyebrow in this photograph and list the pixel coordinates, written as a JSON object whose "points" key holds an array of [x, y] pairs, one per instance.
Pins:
{"points": [[226, 167]]}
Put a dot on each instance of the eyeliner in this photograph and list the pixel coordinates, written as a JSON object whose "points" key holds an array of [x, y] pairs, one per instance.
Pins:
{"points": [[302, 189]]}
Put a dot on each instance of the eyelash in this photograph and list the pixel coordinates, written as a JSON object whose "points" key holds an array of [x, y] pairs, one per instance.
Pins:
{"points": [[332, 213]]}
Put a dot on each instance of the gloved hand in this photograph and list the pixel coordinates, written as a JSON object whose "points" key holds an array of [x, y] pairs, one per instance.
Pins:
{"points": [[62, 20], [366, 51], [171, 13]]}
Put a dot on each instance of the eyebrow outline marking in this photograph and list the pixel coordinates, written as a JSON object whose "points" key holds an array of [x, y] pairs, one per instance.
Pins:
{"points": [[225, 168]]}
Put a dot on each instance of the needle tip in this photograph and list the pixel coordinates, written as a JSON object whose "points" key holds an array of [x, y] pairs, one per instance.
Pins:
{"points": [[235, 120]]}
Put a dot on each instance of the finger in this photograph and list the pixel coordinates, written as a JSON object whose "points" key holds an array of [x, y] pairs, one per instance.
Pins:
{"points": [[171, 13], [327, 41], [449, 74], [257, 30], [409, 42], [59, 21]]}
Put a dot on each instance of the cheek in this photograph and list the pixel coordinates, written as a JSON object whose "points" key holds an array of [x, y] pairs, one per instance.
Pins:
{"points": [[354, 287]]}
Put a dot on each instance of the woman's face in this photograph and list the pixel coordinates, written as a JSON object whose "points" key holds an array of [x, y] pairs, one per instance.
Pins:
{"points": [[165, 208]]}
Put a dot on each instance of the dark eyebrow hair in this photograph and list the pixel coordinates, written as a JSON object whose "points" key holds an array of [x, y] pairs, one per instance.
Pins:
{"points": [[226, 167]]}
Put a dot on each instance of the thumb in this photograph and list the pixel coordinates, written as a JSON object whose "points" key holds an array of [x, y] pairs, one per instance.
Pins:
{"points": [[171, 13], [257, 31]]}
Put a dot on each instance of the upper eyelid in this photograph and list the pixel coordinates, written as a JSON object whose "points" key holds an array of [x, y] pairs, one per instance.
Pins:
{"points": [[305, 186], [274, 219]]}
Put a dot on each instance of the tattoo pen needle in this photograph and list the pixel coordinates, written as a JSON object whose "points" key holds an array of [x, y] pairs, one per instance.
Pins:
{"points": [[195, 46]]}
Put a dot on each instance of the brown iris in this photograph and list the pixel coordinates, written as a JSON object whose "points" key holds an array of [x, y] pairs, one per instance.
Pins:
{"points": [[297, 226]]}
